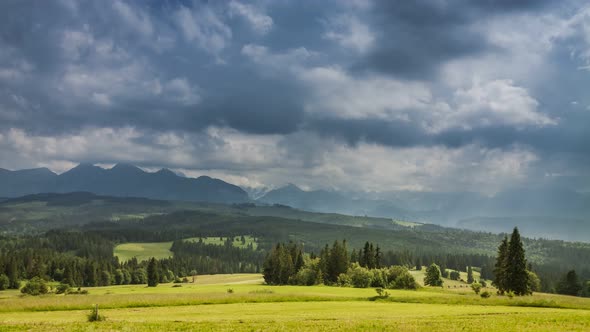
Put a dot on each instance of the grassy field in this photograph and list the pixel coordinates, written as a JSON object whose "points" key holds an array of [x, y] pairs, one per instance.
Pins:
{"points": [[147, 250], [143, 251], [207, 305]]}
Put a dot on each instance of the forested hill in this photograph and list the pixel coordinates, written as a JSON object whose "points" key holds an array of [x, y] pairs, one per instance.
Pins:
{"points": [[122, 180], [120, 220]]}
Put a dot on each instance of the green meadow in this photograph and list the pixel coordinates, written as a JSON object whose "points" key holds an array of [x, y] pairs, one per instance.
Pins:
{"points": [[146, 250], [143, 251], [240, 302]]}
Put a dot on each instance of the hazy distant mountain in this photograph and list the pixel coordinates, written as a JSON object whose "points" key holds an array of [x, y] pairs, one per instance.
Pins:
{"points": [[562, 214], [330, 201], [122, 180], [26, 181], [256, 192]]}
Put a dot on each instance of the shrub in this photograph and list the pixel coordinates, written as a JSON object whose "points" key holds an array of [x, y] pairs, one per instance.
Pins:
{"points": [[454, 275], [485, 294], [476, 287], [79, 291], [360, 277], [394, 271], [94, 316], [483, 283], [382, 293], [176, 285], [405, 281], [4, 282], [344, 280], [62, 288], [35, 286], [309, 274], [230, 290], [510, 294], [379, 278]]}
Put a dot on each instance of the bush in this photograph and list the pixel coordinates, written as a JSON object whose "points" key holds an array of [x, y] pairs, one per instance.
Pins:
{"points": [[379, 278], [485, 294], [381, 293], [4, 282], [176, 285], [94, 316], [79, 291], [62, 288], [483, 283], [230, 290], [360, 277], [404, 281], [344, 280], [35, 286], [454, 275], [510, 294], [476, 287], [309, 274]]}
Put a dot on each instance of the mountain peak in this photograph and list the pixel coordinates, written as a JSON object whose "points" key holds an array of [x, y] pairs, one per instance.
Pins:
{"points": [[166, 172], [124, 167], [84, 168], [291, 187]]}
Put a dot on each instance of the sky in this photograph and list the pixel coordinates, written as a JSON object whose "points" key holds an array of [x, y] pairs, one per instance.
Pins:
{"points": [[440, 95]]}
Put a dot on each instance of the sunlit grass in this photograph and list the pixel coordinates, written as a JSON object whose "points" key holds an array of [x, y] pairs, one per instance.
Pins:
{"points": [[207, 305]]}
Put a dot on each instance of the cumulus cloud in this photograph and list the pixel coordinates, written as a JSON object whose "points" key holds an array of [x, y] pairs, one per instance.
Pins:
{"points": [[260, 22], [349, 32]]}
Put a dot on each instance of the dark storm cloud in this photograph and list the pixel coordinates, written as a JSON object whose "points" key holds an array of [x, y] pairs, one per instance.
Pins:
{"points": [[415, 37], [179, 66]]}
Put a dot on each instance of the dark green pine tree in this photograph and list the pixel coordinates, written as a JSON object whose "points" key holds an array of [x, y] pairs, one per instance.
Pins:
{"points": [[469, 275], [90, 278], [433, 276], [517, 277], [500, 267], [152, 273], [363, 255], [338, 261], [12, 273], [569, 285], [378, 255]]}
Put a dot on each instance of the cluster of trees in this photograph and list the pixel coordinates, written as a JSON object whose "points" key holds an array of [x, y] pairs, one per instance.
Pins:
{"points": [[511, 273], [288, 264], [214, 259], [79, 260], [570, 285]]}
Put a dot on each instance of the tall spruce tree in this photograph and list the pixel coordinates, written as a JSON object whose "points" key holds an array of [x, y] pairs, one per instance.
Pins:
{"points": [[433, 276], [570, 284], [517, 277], [152, 273], [12, 273], [500, 267], [338, 261], [470, 279]]}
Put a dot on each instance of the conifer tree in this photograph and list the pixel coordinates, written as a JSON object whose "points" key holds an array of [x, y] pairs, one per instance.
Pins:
{"points": [[516, 272], [12, 274], [569, 285], [152, 273], [469, 275], [433, 276], [500, 267]]}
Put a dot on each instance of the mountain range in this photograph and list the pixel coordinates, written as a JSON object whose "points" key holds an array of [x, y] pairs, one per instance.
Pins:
{"points": [[539, 212], [122, 180]]}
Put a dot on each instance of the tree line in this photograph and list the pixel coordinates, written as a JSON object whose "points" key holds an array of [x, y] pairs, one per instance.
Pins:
{"points": [[288, 264]]}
